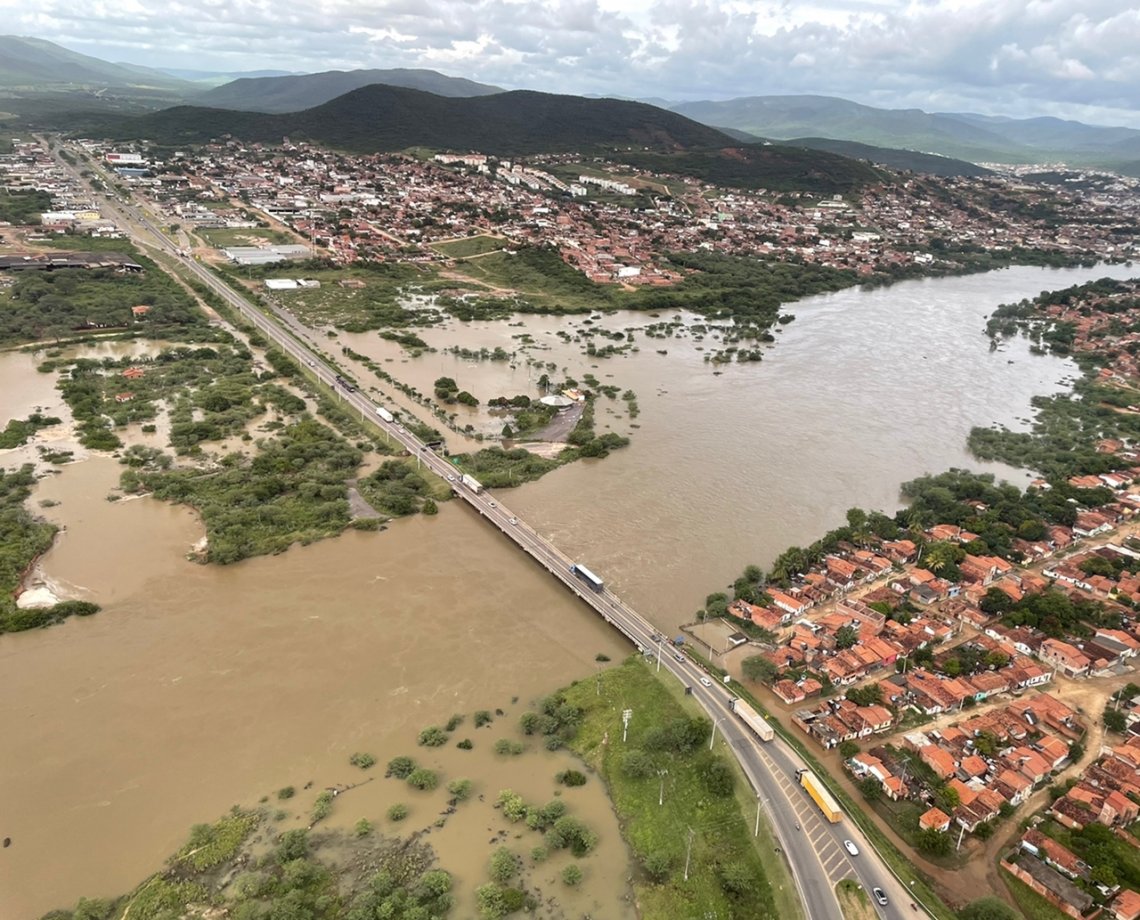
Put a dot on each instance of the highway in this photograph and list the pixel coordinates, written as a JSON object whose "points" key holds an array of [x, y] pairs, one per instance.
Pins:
{"points": [[814, 848]]}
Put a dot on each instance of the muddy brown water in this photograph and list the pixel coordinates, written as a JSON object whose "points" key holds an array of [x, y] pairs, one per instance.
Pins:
{"points": [[197, 687]]}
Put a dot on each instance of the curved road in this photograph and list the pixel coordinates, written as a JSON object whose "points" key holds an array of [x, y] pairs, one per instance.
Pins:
{"points": [[814, 848]]}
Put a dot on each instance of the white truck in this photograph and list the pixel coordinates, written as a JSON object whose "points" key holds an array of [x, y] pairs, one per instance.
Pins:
{"points": [[472, 483], [385, 414], [752, 719]]}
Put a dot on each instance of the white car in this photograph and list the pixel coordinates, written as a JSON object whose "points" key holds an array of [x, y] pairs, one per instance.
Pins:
{"points": [[491, 504], [851, 848], [706, 682], [450, 478], [879, 896], [514, 520]]}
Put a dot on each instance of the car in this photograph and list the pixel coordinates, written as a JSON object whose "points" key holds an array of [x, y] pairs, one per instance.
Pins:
{"points": [[491, 504], [514, 520], [851, 848], [706, 682], [879, 896], [312, 364], [679, 656], [450, 478]]}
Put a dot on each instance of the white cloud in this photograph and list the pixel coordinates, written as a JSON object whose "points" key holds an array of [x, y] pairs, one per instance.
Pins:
{"points": [[1080, 58]]}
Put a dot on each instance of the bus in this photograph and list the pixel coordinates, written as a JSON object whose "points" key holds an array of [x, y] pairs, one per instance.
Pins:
{"points": [[588, 577]]}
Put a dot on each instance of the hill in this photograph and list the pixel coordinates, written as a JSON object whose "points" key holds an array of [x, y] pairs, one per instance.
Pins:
{"points": [[767, 166], [35, 64], [975, 138], [296, 92], [787, 117], [929, 163], [385, 118]]}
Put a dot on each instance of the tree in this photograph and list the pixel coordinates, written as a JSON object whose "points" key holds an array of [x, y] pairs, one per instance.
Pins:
{"points": [[935, 842], [996, 602], [717, 775], [737, 878], [460, 789], [1114, 720], [657, 866], [423, 779], [946, 798], [871, 789], [759, 669], [846, 636], [848, 749], [400, 767], [571, 875]]}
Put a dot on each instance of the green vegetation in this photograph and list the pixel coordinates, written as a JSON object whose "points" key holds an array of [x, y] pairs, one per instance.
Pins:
{"points": [[18, 207], [988, 908], [1030, 904], [397, 812], [460, 789], [400, 767], [19, 431], [432, 736], [726, 874], [22, 540], [303, 876], [853, 901], [399, 488], [71, 302], [364, 761], [470, 246], [570, 778], [292, 491], [423, 779]]}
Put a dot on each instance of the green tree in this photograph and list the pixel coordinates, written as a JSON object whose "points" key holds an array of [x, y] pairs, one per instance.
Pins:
{"points": [[848, 749], [846, 636], [935, 842], [636, 764], [759, 669], [1114, 720], [571, 875]]}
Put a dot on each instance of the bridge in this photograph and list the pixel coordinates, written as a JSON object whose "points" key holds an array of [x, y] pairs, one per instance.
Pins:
{"points": [[815, 850]]}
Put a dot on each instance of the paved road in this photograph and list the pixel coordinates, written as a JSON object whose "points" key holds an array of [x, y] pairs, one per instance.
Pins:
{"points": [[814, 848]]}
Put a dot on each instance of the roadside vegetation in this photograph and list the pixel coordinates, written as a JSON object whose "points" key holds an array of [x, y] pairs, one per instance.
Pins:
{"points": [[727, 876]]}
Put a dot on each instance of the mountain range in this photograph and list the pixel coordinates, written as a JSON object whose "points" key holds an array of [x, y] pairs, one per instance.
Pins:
{"points": [[977, 138], [46, 84], [303, 91]]}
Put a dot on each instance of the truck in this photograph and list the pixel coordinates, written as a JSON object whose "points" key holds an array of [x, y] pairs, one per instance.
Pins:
{"points": [[752, 719], [385, 414], [595, 583], [472, 483], [819, 795]]}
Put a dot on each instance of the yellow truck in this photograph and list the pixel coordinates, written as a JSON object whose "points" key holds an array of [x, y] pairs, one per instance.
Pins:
{"points": [[819, 795]]}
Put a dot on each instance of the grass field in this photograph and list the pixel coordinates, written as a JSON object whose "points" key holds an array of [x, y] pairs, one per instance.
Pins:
{"points": [[222, 238], [853, 901], [1029, 902], [729, 875], [470, 246]]}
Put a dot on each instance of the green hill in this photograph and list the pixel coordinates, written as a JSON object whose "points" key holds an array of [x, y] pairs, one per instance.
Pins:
{"points": [[909, 160], [383, 118], [761, 166], [296, 92], [974, 138], [35, 64]]}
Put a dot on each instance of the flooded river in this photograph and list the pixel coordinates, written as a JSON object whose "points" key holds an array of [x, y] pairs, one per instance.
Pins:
{"points": [[197, 687]]}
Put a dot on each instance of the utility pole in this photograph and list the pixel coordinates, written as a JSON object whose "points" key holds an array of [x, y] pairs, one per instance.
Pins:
{"points": [[756, 833], [661, 792], [712, 737], [659, 656], [688, 853], [626, 715]]}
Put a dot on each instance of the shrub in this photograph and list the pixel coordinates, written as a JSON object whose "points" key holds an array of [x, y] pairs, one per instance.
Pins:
{"points": [[483, 717], [636, 764], [397, 812], [322, 807], [454, 722], [504, 865], [286, 792], [433, 736], [570, 778], [571, 875], [363, 827], [400, 767], [508, 747], [657, 866], [512, 804], [364, 761], [423, 779], [460, 789], [570, 833], [465, 744]]}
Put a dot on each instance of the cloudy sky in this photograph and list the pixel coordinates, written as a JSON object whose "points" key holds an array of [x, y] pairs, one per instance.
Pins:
{"points": [[1071, 58]]}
